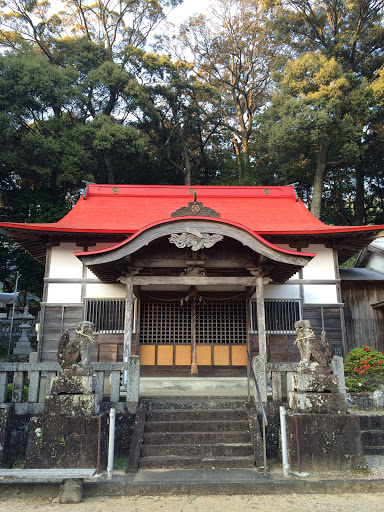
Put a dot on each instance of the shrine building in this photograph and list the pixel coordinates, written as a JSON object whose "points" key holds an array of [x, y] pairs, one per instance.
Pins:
{"points": [[190, 277]]}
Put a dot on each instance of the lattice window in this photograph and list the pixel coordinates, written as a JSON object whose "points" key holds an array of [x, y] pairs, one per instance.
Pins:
{"points": [[280, 315], [106, 314], [216, 322]]}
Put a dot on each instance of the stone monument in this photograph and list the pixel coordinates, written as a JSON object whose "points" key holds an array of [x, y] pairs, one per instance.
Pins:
{"points": [[314, 387], [67, 434], [320, 433]]}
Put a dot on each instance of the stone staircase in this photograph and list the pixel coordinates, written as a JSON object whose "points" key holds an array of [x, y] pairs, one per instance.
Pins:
{"points": [[188, 433], [372, 434]]}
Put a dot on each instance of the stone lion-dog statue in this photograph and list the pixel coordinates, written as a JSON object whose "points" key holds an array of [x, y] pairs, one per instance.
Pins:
{"points": [[312, 350], [76, 350]]}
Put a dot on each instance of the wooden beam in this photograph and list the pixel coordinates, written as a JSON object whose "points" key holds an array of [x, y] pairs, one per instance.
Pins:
{"points": [[193, 280], [181, 263]]}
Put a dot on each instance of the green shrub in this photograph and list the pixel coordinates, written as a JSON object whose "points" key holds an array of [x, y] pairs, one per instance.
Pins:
{"points": [[364, 369]]}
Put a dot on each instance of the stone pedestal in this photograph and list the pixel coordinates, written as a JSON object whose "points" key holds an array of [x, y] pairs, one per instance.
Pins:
{"points": [[316, 390], [324, 442], [72, 394], [67, 434], [319, 432]]}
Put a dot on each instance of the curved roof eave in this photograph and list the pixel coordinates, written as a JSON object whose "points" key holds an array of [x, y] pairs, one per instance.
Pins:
{"points": [[59, 228], [169, 226]]}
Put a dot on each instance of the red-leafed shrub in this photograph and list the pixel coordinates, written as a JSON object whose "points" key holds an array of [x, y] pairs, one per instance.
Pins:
{"points": [[364, 369]]}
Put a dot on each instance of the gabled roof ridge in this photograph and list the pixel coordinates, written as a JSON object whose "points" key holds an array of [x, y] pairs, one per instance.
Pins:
{"points": [[186, 191]]}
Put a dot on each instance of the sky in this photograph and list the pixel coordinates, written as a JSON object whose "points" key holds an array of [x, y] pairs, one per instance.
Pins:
{"points": [[188, 8]]}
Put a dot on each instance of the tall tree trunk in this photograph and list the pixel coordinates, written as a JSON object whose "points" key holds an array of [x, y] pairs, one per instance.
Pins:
{"points": [[180, 132], [109, 166], [318, 181], [359, 200], [236, 150], [244, 141]]}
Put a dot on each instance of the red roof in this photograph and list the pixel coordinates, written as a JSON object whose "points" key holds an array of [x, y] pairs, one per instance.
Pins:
{"points": [[129, 208]]}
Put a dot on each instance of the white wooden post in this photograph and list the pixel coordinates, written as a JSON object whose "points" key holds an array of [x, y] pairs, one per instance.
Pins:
{"points": [[261, 317]]}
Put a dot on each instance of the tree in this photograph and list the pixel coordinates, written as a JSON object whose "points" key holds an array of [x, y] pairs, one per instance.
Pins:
{"points": [[98, 53], [352, 34], [114, 24], [176, 113], [314, 115], [234, 52]]}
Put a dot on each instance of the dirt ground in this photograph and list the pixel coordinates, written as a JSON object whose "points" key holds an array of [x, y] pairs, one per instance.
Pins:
{"points": [[297, 503]]}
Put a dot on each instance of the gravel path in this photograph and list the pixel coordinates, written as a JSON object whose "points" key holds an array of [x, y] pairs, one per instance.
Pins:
{"points": [[356, 502], [376, 464], [297, 503]]}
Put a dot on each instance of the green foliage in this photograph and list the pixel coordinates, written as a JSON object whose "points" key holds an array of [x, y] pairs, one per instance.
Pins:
{"points": [[364, 369], [349, 263], [9, 393], [41, 438], [120, 463], [271, 93], [234, 51]]}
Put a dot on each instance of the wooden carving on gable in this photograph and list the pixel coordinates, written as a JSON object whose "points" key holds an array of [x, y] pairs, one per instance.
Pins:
{"points": [[194, 239]]}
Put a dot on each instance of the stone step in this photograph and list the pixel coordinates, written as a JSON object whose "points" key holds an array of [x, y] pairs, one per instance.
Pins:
{"points": [[196, 426], [188, 386], [373, 450], [228, 462], [195, 437], [196, 433], [372, 437], [197, 415], [202, 450], [196, 403], [176, 462], [372, 422], [196, 462]]}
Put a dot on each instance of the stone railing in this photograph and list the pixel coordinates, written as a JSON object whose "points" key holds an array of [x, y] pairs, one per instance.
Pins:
{"points": [[38, 377], [282, 373]]}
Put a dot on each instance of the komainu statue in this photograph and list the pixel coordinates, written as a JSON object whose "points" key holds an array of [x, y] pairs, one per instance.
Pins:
{"points": [[77, 350], [312, 349]]}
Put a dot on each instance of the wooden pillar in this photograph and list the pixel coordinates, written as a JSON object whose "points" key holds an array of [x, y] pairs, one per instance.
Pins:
{"points": [[261, 317], [128, 319]]}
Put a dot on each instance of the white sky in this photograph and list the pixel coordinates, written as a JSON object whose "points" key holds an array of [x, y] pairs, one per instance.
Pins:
{"points": [[188, 8]]}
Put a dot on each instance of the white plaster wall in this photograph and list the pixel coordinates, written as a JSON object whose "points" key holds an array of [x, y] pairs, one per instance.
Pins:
{"points": [[101, 291], [64, 264], [60, 293], [276, 291], [320, 294], [287, 248], [322, 265]]}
